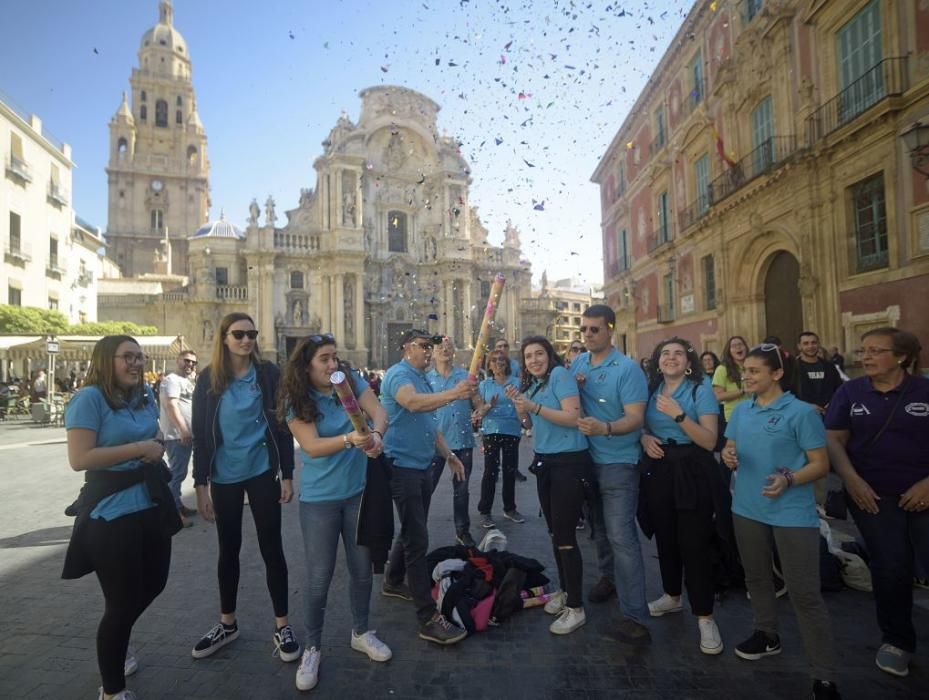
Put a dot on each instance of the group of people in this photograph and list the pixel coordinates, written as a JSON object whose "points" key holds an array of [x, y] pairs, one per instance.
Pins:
{"points": [[606, 436]]}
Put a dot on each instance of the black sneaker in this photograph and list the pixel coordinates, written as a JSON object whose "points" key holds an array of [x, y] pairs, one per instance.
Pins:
{"points": [[758, 645], [215, 639], [441, 631], [465, 540], [285, 644], [824, 690], [396, 590], [602, 591], [520, 476], [634, 632]]}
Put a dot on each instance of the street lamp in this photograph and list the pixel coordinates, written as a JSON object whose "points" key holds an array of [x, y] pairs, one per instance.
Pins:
{"points": [[916, 138]]}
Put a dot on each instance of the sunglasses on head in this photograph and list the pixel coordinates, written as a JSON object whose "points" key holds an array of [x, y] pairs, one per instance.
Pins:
{"points": [[593, 329], [321, 339], [238, 335], [771, 347]]}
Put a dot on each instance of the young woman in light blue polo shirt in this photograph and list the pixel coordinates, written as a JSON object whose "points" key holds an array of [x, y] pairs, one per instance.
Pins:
{"points": [[120, 532], [776, 444], [681, 485], [332, 482], [562, 465]]}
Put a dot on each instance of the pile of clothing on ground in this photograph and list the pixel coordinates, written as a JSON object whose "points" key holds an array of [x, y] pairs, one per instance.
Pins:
{"points": [[477, 587]]}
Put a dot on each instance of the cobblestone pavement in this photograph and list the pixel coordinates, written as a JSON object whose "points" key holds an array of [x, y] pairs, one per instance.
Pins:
{"points": [[47, 647]]}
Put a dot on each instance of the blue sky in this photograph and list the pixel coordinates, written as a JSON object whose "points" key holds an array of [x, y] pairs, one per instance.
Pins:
{"points": [[535, 91]]}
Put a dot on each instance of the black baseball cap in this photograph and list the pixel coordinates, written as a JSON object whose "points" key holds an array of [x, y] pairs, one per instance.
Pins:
{"points": [[415, 333]]}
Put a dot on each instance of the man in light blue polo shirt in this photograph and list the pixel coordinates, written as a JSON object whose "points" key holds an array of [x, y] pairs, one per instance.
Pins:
{"points": [[411, 441], [613, 397], [455, 426]]}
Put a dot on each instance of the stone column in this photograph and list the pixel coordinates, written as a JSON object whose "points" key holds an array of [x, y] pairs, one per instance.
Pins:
{"points": [[325, 305], [468, 312], [360, 339], [339, 306], [447, 311]]}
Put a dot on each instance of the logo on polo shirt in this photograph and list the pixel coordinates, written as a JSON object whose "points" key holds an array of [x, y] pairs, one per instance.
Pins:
{"points": [[920, 410], [859, 409], [773, 423]]}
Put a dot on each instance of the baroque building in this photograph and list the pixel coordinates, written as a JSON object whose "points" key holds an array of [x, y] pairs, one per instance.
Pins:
{"points": [[761, 183], [556, 311], [158, 171], [388, 239]]}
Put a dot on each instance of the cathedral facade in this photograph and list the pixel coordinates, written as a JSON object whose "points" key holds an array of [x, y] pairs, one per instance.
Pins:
{"points": [[386, 240]]}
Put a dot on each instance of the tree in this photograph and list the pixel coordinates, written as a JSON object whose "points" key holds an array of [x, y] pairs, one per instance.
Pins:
{"points": [[28, 319], [111, 328]]}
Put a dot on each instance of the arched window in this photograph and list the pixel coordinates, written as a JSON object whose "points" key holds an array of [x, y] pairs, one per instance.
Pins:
{"points": [[143, 96], [296, 279], [157, 220], [161, 113], [191, 154], [143, 113], [396, 232], [179, 101], [122, 146]]}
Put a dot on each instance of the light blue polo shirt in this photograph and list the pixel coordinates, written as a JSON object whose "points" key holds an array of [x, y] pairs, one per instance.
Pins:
{"points": [[410, 438], [515, 369], [609, 386], [549, 437], [777, 435], [88, 409], [502, 418], [454, 418], [341, 475], [243, 453], [701, 402]]}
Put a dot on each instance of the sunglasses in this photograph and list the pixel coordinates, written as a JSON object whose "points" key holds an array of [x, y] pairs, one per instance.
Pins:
{"points": [[324, 338], [427, 347], [577, 349], [771, 347], [192, 363], [593, 329], [238, 335]]}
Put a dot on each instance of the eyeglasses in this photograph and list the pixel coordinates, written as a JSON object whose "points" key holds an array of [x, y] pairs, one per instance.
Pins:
{"points": [[593, 329], [238, 335], [871, 352], [501, 360], [192, 363], [131, 358], [427, 347], [771, 347], [573, 349], [323, 339]]}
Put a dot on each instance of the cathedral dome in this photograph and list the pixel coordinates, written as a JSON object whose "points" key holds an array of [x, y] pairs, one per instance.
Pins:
{"points": [[164, 34], [220, 229]]}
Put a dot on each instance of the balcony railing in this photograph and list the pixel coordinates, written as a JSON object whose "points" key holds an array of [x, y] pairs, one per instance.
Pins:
{"points": [[234, 293], [54, 269], [885, 79], [58, 194], [768, 156], [86, 278], [695, 210], [666, 313], [618, 266], [16, 255], [659, 237], [18, 168]]}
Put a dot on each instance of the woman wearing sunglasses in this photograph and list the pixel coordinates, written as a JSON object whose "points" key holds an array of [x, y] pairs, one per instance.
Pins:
{"points": [[501, 431], [876, 428], [125, 513], [562, 465], [240, 448], [332, 482], [574, 351], [778, 445]]}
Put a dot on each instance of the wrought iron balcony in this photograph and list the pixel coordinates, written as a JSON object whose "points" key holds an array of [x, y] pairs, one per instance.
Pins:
{"points": [[885, 79], [15, 255], [58, 194], [768, 156], [618, 266], [85, 278], [666, 313], [695, 210], [19, 168], [874, 261], [659, 237]]}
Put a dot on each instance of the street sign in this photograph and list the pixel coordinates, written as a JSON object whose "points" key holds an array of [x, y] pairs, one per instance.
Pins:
{"points": [[51, 345]]}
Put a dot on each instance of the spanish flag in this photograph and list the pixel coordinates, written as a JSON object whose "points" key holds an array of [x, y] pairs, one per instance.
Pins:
{"points": [[721, 149]]}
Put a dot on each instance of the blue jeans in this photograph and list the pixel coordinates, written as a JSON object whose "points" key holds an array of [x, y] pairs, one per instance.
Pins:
{"points": [[178, 458], [894, 538], [619, 552], [322, 524], [459, 488]]}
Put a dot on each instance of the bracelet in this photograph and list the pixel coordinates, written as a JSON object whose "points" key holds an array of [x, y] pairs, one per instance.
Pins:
{"points": [[379, 434], [538, 409], [788, 475], [609, 429]]}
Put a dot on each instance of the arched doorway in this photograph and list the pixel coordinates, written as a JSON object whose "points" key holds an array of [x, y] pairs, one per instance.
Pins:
{"points": [[783, 309]]}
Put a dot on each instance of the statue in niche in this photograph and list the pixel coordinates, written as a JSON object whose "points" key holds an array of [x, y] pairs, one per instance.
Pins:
{"points": [[298, 312], [348, 294], [253, 213], [394, 157], [270, 217], [207, 331], [348, 208]]}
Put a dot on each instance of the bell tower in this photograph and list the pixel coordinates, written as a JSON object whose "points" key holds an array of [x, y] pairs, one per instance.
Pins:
{"points": [[158, 170]]}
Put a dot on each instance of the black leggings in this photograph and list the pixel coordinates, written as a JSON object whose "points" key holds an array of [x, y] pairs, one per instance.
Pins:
{"points": [[494, 445], [264, 493], [562, 483], [131, 556]]}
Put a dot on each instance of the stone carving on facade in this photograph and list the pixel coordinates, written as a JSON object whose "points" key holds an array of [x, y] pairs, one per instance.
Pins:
{"points": [[207, 331], [394, 155], [306, 197], [270, 217], [808, 281], [646, 299], [348, 199], [348, 294], [253, 213], [298, 313]]}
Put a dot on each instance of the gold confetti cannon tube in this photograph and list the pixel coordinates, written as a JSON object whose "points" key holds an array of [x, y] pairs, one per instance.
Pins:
{"points": [[495, 291], [350, 404]]}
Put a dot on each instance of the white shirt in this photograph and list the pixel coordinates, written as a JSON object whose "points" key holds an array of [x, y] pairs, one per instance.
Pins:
{"points": [[174, 386]]}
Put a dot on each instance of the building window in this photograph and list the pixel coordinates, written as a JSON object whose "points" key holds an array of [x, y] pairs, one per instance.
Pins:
{"points": [[396, 232], [859, 52], [659, 128], [157, 220], [669, 295], [576, 320], [53, 252], [143, 113], [696, 80], [161, 113], [15, 233], [52, 304], [664, 231], [623, 250], [870, 212], [191, 154], [180, 101], [752, 8], [143, 96], [122, 146], [14, 295], [296, 280], [709, 283], [762, 135], [577, 306], [222, 275], [82, 317], [702, 182], [178, 117], [562, 320], [621, 178]]}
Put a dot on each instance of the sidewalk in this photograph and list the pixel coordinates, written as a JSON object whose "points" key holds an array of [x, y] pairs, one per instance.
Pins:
{"points": [[22, 432], [47, 649]]}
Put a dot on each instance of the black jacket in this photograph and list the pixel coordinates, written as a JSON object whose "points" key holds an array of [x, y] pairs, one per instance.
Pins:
{"points": [[376, 515], [208, 436]]}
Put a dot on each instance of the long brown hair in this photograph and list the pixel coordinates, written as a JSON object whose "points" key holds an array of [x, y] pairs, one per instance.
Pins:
{"points": [[296, 387], [102, 372], [733, 371], [220, 366]]}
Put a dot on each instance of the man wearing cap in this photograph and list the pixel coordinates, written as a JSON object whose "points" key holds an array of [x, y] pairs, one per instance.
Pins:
{"points": [[411, 441]]}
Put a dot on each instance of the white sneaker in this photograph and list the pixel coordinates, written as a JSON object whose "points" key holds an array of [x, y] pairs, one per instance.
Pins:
{"points": [[568, 620], [121, 695], [132, 663], [308, 671], [369, 644], [556, 603], [710, 641], [664, 605]]}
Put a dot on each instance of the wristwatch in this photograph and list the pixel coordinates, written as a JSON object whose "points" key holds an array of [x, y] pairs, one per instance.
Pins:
{"points": [[346, 442], [680, 418]]}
